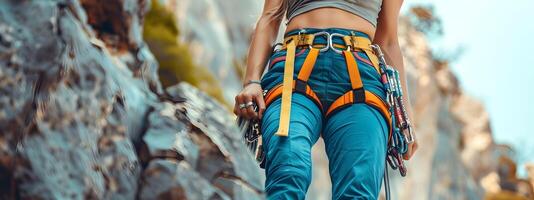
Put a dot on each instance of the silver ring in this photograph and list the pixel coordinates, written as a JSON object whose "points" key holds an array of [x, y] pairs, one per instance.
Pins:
{"points": [[250, 103], [241, 106], [331, 42], [327, 36]]}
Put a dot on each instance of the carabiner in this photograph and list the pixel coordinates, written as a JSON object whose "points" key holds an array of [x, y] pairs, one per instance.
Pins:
{"points": [[331, 43], [327, 40], [410, 137]]}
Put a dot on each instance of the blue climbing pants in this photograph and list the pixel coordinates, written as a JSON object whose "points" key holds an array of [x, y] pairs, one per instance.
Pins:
{"points": [[355, 136]]}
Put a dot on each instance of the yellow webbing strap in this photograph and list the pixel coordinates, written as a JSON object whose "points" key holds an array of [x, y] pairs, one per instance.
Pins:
{"points": [[287, 90], [358, 42], [354, 73], [300, 40], [373, 59], [364, 44]]}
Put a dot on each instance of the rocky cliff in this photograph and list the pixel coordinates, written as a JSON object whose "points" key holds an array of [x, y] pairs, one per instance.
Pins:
{"points": [[83, 114]]}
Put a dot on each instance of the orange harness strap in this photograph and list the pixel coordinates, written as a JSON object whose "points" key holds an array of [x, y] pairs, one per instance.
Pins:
{"points": [[354, 73], [276, 91], [307, 66], [358, 94]]}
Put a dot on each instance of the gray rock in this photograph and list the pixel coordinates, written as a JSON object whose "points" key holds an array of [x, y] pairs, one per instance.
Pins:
{"points": [[176, 180], [83, 115], [198, 136]]}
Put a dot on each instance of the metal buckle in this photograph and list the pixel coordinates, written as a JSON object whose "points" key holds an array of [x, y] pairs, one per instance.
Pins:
{"points": [[301, 37], [327, 35], [331, 42]]}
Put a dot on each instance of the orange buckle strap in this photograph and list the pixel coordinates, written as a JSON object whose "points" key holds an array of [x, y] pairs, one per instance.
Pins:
{"points": [[276, 91], [369, 98]]}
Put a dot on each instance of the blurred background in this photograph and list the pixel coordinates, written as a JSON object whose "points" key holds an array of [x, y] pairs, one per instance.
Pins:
{"points": [[106, 99]]}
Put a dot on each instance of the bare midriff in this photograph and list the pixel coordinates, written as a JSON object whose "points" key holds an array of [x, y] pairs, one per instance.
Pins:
{"points": [[331, 18]]}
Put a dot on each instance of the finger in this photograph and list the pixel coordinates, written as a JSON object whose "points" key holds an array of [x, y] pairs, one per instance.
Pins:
{"points": [[408, 154], [236, 107], [250, 109], [411, 149], [414, 148], [261, 105], [238, 100]]}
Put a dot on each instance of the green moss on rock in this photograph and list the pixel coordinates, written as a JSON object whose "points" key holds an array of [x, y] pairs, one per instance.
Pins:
{"points": [[175, 64]]}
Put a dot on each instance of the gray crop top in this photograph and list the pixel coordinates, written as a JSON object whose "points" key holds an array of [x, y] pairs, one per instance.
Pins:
{"points": [[367, 9]]}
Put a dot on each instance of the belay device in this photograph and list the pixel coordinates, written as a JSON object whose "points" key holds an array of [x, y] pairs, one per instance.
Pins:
{"points": [[402, 129]]}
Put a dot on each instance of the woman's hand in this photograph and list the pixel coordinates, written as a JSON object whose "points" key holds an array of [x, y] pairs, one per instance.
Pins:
{"points": [[244, 101]]}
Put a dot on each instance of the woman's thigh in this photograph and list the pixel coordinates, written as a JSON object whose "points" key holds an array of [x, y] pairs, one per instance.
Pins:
{"points": [[288, 159], [304, 130], [356, 141]]}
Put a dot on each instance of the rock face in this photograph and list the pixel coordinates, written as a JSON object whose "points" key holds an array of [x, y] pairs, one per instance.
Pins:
{"points": [[193, 139], [83, 115]]}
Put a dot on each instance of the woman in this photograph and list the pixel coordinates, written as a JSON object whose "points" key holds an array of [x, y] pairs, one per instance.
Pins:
{"points": [[331, 89]]}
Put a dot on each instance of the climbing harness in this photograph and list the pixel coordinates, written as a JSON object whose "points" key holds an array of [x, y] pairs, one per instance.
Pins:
{"points": [[393, 109], [250, 128], [289, 85]]}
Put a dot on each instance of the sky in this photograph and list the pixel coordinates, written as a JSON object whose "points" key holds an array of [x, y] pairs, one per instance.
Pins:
{"points": [[497, 62]]}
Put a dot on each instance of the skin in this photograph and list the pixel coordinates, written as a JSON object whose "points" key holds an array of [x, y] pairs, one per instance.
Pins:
{"points": [[267, 27]]}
